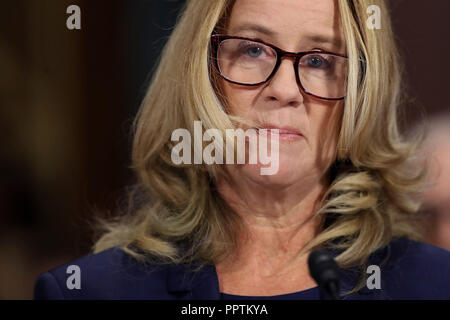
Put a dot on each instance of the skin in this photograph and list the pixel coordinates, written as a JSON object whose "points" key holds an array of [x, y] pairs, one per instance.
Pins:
{"points": [[437, 197], [277, 209]]}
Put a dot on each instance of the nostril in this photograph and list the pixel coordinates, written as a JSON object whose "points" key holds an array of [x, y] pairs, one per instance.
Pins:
{"points": [[294, 104]]}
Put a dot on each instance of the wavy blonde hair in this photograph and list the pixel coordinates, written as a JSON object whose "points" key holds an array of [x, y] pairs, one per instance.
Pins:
{"points": [[176, 215]]}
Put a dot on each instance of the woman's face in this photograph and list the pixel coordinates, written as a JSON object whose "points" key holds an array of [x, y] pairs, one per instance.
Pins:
{"points": [[294, 26]]}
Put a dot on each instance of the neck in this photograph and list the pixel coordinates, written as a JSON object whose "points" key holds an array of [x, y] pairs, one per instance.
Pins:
{"points": [[277, 223]]}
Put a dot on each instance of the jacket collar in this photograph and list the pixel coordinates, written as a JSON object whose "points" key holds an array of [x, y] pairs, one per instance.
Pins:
{"points": [[204, 284], [187, 284], [184, 283]]}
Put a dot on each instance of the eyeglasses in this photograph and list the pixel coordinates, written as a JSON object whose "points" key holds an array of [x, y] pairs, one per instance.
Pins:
{"points": [[250, 62]]}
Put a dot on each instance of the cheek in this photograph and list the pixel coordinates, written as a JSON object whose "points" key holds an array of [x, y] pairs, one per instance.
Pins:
{"points": [[239, 100], [327, 124]]}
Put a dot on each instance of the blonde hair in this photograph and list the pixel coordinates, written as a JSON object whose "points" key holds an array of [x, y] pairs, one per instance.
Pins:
{"points": [[175, 213]]}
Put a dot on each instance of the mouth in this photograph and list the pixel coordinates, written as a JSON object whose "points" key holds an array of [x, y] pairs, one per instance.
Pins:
{"points": [[284, 133]]}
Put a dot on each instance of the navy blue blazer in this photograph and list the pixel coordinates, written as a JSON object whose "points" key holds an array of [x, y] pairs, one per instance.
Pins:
{"points": [[408, 270]]}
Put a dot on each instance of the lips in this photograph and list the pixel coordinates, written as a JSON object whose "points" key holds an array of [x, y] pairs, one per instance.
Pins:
{"points": [[282, 130], [284, 133]]}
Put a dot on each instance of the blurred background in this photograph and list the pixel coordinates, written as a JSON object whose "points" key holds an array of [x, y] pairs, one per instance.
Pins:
{"points": [[68, 97]]}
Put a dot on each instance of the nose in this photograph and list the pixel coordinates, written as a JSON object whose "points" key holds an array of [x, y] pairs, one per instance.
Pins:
{"points": [[283, 87]]}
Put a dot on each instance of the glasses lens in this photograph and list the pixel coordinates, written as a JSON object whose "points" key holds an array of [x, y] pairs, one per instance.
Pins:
{"points": [[324, 75], [244, 61]]}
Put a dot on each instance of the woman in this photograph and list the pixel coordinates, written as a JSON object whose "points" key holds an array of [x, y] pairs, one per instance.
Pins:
{"points": [[330, 85]]}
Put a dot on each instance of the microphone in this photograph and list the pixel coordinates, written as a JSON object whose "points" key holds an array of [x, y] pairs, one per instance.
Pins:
{"points": [[325, 271]]}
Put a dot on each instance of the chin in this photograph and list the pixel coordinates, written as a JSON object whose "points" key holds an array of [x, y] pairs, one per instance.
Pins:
{"points": [[288, 173]]}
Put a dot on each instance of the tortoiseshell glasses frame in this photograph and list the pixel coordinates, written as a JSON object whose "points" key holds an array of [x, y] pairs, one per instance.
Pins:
{"points": [[216, 40]]}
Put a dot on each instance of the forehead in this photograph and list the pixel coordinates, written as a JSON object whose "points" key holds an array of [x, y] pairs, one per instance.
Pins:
{"points": [[287, 21]]}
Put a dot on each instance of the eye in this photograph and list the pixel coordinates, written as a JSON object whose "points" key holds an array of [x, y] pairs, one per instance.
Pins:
{"points": [[254, 52], [251, 49], [317, 62]]}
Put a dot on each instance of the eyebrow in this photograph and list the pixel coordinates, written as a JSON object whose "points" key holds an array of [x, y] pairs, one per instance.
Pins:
{"points": [[253, 27], [318, 38], [312, 38]]}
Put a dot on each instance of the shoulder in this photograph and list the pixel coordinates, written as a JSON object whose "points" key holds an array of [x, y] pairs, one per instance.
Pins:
{"points": [[110, 274], [414, 270]]}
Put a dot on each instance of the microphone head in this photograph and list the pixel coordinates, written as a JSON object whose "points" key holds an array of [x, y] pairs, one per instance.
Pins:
{"points": [[323, 269]]}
